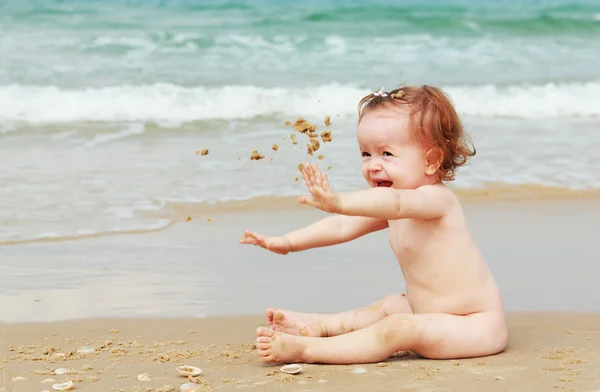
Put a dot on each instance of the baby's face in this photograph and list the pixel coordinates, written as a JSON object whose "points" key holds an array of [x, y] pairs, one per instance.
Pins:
{"points": [[390, 156]]}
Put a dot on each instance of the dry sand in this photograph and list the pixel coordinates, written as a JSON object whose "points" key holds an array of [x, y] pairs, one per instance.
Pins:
{"points": [[547, 351]]}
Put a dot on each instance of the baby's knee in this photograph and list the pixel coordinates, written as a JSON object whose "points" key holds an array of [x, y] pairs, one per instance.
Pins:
{"points": [[394, 329], [395, 303]]}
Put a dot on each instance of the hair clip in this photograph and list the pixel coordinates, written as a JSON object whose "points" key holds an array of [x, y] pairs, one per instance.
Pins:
{"points": [[380, 93], [398, 94]]}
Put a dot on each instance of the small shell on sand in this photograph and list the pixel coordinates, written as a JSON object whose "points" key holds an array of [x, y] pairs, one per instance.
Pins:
{"points": [[291, 368], [47, 380], [144, 377], [190, 387], [189, 370], [65, 386], [60, 371], [86, 350], [359, 370], [18, 378]]}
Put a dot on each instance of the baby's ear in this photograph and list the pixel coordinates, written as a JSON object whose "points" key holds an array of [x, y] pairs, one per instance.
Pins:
{"points": [[433, 160]]}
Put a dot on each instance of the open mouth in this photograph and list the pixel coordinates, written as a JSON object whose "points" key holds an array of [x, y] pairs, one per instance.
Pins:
{"points": [[386, 184]]}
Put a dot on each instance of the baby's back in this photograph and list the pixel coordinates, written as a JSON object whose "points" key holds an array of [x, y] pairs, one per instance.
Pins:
{"points": [[442, 266]]}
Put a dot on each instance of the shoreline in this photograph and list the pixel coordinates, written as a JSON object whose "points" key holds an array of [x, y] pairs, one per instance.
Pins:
{"points": [[490, 193], [198, 268], [546, 351]]}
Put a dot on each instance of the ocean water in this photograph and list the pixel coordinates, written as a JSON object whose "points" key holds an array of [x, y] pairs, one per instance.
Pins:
{"points": [[103, 105]]}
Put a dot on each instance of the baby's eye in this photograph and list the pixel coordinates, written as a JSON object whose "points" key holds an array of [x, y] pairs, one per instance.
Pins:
{"points": [[387, 154], [365, 154]]}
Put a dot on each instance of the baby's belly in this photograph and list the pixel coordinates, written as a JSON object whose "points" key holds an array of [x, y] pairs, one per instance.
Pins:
{"points": [[457, 300]]}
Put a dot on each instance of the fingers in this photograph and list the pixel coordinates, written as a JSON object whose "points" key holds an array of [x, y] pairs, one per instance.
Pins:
{"points": [[326, 183], [313, 178], [308, 200], [306, 176], [253, 238]]}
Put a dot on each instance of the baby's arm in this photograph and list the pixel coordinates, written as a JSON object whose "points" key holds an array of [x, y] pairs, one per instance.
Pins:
{"points": [[333, 230], [427, 202]]}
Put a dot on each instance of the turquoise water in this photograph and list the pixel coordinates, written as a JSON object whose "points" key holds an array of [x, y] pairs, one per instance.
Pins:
{"points": [[103, 104], [285, 43]]}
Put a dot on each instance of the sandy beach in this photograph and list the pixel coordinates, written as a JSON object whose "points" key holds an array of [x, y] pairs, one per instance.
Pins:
{"points": [[191, 295], [547, 351], [139, 140]]}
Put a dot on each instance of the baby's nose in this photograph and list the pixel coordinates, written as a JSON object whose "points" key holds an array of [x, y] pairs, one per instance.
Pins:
{"points": [[374, 165]]}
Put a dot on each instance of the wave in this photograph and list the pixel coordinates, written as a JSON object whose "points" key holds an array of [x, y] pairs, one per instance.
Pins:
{"points": [[81, 235], [515, 20], [173, 103], [457, 16]]}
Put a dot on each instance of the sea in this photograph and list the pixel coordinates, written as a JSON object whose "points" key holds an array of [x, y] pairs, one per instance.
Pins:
{"points": [[106, 106]]}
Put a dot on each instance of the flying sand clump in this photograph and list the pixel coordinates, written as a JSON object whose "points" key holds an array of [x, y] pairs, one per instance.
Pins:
{"points": [[310, 130]]}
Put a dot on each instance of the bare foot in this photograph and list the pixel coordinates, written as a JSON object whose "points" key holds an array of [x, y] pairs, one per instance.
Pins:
{"points": [[277, 347], [295, 323]]}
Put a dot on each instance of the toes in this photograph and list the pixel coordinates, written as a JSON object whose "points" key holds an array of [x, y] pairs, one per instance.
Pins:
{"points": [[264, 339], [264, 331], [268, 359], [270, 312], [264, 346], [264, 353], [278, 318]]}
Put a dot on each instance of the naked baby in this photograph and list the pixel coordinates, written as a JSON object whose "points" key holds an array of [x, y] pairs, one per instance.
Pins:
{"points": [[412, 142]]}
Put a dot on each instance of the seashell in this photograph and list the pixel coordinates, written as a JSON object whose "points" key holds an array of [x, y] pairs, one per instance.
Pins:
{"points": [[189, 370], [190, 387], [47, 380], [60, 371], [65, 386], [143, 377], [86, 350], [18, 378], [291, 369], [359, 370]]}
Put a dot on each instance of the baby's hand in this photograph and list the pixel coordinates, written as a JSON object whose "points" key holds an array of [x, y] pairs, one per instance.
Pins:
{"points": [[318, 185], [278, 245]]}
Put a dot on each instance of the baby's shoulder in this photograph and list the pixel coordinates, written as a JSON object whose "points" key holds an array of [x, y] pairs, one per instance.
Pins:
{"points": [[441, 195], [439, 190]]}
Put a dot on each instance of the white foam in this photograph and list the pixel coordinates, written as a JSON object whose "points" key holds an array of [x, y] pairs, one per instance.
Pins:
{"points": [[175, 104], [131, 130]]}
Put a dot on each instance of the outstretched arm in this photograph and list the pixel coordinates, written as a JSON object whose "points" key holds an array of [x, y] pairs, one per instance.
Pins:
{"points": [[329, 231], [427, 202], [333, 230]]}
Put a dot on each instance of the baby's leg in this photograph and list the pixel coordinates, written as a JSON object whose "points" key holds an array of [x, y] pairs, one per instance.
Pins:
{"points": [[322, 325], [436, 336]]}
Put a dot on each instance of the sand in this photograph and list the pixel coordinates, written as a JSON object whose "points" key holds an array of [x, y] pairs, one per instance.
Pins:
{"points": [[160, 281], [547, 351]]}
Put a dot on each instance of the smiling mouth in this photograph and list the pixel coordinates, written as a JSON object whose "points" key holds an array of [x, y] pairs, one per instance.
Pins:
{"points": [[385, 184]]}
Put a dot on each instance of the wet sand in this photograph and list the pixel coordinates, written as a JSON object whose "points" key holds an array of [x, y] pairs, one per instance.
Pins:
{"points": [[547, 351], [153, 289], [542, 253]]}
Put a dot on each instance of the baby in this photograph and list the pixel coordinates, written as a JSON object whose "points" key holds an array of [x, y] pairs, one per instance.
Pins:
{"points": [[411, 142]]}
